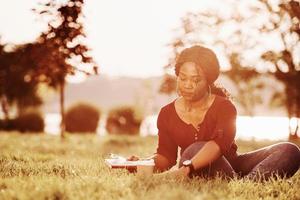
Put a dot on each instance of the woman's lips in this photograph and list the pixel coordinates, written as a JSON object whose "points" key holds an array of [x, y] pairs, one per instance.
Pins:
{"points": [[187, 93]]}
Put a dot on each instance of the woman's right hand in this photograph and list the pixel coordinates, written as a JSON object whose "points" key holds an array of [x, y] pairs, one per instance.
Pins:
{"points": [[133, 158]]}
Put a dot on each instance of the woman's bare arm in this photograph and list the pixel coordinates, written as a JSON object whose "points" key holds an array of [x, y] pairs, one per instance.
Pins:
{"points": [[208, 154], [161, 163]]}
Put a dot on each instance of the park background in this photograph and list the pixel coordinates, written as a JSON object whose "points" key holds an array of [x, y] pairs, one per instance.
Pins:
{"points": [[106, 67]]}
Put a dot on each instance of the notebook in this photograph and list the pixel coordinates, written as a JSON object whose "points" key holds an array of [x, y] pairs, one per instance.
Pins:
{"points": [[116, 161]]}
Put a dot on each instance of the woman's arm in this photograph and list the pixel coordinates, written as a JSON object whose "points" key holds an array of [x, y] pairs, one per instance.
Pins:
{"points": [[161, 163], [206, 155]]}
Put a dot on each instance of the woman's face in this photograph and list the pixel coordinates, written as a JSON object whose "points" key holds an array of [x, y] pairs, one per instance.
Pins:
{"points": [[191, 82]]}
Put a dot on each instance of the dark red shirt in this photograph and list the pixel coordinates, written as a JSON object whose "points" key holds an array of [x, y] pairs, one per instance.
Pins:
{"points": [[219, 124]]}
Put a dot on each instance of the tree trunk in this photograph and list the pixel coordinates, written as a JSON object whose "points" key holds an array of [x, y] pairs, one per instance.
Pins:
{"points": [[62, 109], [4, 106]]}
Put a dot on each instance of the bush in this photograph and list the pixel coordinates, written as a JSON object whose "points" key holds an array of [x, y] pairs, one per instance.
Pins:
{"points": [[8, 125], [123, 120], [82, 118], [32, 121]]}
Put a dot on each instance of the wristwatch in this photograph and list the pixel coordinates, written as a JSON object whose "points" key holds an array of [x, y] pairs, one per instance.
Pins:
{"points": [[189, 164]]}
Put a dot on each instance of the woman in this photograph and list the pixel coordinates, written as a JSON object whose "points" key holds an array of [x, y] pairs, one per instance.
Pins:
{"points": [[201, 121]]}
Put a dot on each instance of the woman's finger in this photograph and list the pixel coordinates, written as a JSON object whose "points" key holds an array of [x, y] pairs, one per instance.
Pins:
{"points": [[133, 158]]}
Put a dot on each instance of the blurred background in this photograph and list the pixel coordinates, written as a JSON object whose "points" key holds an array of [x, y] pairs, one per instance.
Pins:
{"points": [[107, 67]]}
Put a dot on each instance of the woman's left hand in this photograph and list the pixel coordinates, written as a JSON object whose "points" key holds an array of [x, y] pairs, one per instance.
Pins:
{"points": [[182, 172]]}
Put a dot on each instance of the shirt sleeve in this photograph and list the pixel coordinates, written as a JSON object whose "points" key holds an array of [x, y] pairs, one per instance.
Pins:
{"points": [[225, 130], [166, 145]]}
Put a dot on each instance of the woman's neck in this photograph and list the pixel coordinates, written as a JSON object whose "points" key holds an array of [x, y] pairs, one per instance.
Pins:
{"points": [[201, 103]]}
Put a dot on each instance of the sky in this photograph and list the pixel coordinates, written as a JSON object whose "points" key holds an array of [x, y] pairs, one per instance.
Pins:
{"points": [[127, 38]]}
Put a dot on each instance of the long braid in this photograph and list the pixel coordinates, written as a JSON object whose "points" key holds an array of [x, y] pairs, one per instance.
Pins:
{"points": [[220, 91]]}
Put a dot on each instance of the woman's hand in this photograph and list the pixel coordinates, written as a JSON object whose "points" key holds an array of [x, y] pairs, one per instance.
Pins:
{"points": [[133, 158], [182, 172]]}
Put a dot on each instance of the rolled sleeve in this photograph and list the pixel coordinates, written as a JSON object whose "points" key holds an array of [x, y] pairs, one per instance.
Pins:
{"points": [[166, 145], [225, 130]]}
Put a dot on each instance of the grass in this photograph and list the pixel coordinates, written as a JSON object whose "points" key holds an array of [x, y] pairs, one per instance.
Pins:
{"points": [[44, 167]]}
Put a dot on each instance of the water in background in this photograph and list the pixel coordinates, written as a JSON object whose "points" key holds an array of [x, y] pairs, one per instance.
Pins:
{"points": [[272, 128]]}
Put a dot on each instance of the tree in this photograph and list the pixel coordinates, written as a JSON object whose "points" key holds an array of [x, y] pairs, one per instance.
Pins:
{"points": [[284, 20], [16, 86], [4, 103], [168, 86], [63, 48]]}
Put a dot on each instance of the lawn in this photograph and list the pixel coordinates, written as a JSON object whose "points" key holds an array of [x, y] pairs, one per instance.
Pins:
{"points": [[44, 167]]}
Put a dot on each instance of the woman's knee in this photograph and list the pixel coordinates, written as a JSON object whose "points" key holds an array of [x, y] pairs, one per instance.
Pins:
{"points": [[289, 153], [288, 148]]}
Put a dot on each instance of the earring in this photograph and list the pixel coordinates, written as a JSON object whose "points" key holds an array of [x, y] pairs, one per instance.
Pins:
{"points": [[209, 90]]}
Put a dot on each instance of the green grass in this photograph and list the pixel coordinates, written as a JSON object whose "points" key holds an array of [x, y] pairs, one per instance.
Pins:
{"points": [[44, 167]]}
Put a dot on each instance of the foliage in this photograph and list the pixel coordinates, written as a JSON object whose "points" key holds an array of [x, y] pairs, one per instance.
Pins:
{"points": [[8, 125], [17, 88], [247, 82], [75, 169], [284, 19], [82, 118], [123, 120], [31, 121], [63, 41], [168, 86]]}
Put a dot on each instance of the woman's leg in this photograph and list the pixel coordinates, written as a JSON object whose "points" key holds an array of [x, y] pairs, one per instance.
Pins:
{"points": [[219, 167], [282, 159]]}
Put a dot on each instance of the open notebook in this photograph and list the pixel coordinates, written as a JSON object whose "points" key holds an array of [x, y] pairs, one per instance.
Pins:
{"points": [[116, 161]]}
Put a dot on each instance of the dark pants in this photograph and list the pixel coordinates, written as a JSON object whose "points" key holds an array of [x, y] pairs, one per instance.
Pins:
{"points": [[278, 160]]}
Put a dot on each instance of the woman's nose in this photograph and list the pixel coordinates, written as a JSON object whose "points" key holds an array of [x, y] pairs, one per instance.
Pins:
{"points": [[188, 84]]}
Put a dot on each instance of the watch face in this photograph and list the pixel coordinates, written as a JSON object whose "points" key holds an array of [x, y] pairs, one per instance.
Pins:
{"points": [[187, 162]]}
